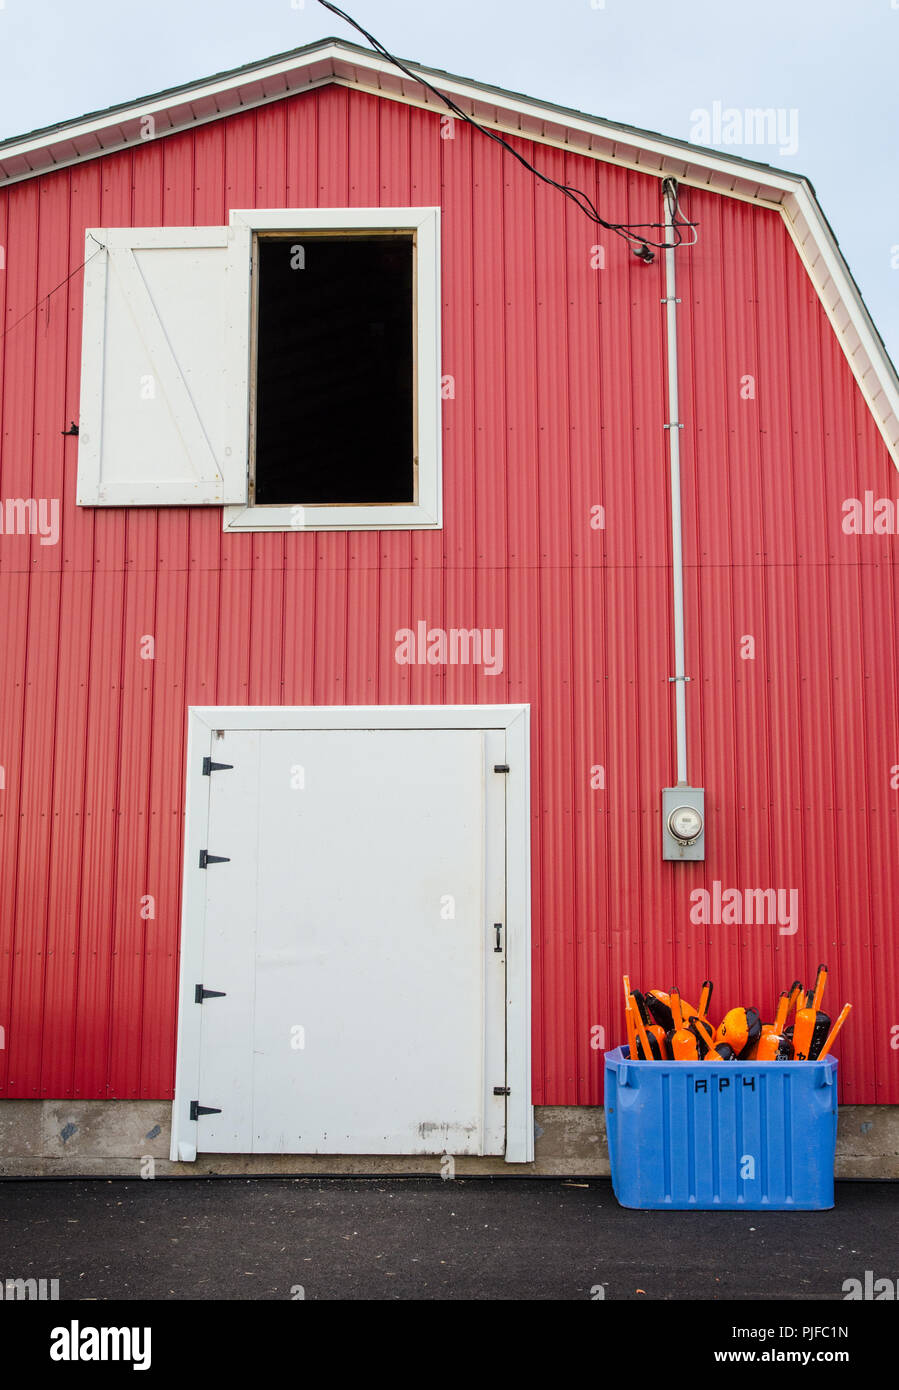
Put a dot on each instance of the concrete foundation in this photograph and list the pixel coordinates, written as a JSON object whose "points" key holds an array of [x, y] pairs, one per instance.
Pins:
{"points": [[129, 1139]]}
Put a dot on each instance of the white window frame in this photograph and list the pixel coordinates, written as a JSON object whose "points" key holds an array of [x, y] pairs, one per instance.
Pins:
{"points": [[426, 512]]}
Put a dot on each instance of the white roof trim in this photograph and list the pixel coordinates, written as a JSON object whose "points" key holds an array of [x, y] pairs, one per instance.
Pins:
{"points": [[352, 66]]}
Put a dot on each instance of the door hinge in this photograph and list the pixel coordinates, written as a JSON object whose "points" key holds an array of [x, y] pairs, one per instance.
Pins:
{"points": [[196, 1110], [200, 994], [498, 927], [501, 767], [207, 858], [209, 767], [501, 1091]]}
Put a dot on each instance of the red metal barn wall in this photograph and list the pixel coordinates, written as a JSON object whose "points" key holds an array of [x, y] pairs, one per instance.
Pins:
{"points": [[559, 371]]}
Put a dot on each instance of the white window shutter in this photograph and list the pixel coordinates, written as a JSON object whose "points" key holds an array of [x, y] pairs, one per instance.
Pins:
{"points": [[165, 367]]}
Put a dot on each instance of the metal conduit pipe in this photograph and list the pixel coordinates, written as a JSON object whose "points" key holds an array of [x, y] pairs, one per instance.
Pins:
{"points": [[683, 806], [674, 427]]}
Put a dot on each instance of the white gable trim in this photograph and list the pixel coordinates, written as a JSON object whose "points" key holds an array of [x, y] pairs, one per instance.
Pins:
{"points": [[844, 306], [352, 66]]}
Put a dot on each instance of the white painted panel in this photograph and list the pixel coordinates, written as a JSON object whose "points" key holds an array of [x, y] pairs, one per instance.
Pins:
{"points": [[229, 947], [231, 906], [355, 948], [368, 1015], [496, 912], [519, 1110], [165, 367]]}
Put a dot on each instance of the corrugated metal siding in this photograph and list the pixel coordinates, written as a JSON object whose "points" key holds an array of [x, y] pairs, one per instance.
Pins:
{"points": [[559, 405]]}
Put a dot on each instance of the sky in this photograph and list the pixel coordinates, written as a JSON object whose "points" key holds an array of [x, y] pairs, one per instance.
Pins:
{"points": [[829, 67]]}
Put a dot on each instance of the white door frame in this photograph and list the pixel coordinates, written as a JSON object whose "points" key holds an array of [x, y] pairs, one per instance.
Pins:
{"points": [[202, 721]]}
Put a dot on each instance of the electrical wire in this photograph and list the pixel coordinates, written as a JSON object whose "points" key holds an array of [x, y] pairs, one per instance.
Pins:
{"points": [[630, 231], [671, 194], [45, 298]]}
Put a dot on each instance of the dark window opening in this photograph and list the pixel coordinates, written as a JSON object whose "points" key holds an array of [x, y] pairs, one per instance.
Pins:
{"points": [[334, 370]]}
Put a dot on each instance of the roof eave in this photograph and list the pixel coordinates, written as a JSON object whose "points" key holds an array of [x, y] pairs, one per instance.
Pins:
{"points": [[338, 61], [328, 60]]}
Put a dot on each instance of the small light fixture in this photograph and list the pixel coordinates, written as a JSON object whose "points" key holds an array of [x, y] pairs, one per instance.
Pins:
{"points": [[644, 254], [685, 824]]}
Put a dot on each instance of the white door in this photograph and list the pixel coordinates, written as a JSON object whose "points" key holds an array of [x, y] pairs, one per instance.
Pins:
{"points": [[353, 910]]}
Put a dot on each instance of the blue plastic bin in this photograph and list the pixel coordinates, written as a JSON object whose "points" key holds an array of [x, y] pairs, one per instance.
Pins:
{"points": [[758, 1136]]}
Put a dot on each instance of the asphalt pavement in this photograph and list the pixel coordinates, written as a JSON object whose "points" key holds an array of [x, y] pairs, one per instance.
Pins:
{"points": [[427, 1239]]}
